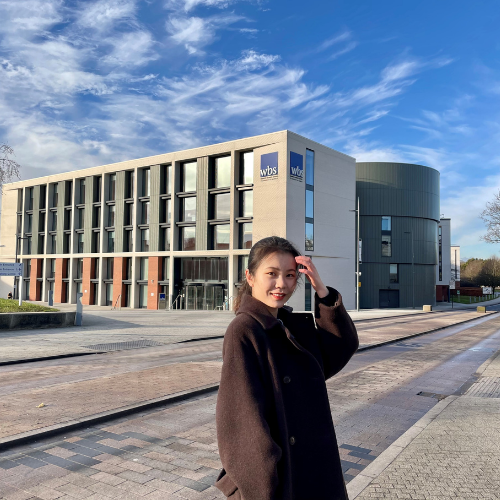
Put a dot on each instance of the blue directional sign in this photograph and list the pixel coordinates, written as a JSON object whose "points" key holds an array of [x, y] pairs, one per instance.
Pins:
{"points": [[11, 269]]}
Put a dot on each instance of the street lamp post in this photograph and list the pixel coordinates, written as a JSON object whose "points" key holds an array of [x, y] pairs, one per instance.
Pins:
{"points": [[412, 269], [358, 274]]}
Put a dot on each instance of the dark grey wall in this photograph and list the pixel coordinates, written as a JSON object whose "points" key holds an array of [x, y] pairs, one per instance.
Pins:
{"points": [[410, 195]]}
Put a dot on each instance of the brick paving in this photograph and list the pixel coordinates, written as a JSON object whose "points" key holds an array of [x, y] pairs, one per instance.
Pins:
{"points": [[456, 456], [77, 387], [171, 453]]}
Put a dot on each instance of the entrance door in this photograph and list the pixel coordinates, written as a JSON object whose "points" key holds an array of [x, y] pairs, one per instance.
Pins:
{"points": [[388, 298], [203, 297]]}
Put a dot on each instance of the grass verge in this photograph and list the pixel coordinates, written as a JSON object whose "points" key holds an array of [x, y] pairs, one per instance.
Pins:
{"points": [[12, 306]]}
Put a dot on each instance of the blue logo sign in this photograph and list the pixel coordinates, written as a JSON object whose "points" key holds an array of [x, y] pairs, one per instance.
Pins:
{"points": [[296, 166], [269, 165]]}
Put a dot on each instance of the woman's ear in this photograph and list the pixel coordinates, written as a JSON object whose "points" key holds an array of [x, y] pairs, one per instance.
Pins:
{"points": [[249, 277]]}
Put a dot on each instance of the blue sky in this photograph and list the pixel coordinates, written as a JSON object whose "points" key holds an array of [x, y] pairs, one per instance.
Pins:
{"points": [[94, 82]]}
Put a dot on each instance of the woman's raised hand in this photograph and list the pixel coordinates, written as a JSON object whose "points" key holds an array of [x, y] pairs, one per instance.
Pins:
{"points": [[312, 275]]}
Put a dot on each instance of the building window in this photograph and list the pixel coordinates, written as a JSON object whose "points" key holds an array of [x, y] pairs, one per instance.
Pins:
{"points": [[67, 220], [29, 198], [109, 294], [308, 296], [96, 242], [144, 240], [68, 193], [440, 242], [128, 242], [166, 212], [145, 213], [80, 243], [166, 269], [309, 236], [393, 273], [166, 179], [143, 268], [41, 222], [386, 236], [221, 237], [129, 214], [189, 176], [309, 241], [111, 241], [222, 204], [52, 268], [310, 204], [165, 239], [110, 267], [97, 188], [28, 245], [189, 209], [29, 223], [55, 195], [112, 187], [242, 266], [204, 269], [41, 241], [146, 182], [43, 195], [111, 215], [82, 192], [246, 168], [54, 221], [129, 184], [79, 269], [96, 217], [128, 268], [66, 243], [246, 203], [246, 235], [143, 296], [222, 172], [53, 244], [188, 238], [81, 218]]}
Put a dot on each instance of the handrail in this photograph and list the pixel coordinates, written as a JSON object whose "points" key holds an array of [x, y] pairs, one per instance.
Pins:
{"points": [[120, 306], [175, 301]]}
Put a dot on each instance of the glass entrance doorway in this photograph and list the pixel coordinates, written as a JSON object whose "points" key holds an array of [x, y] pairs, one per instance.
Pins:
{"points": [[204, 297]]}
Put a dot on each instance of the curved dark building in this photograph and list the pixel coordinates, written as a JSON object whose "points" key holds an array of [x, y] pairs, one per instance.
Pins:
{"points": [[399, 202]]}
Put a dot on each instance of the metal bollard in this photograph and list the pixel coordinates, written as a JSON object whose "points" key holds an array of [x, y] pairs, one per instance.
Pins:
{"points": [[79, 309], [51, 297]]}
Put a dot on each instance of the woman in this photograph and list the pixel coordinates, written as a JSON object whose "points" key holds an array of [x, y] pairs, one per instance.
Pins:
{"points": [[274, 425]]}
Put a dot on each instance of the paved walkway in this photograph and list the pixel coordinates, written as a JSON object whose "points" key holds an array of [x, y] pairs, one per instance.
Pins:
{"points": [[80, 387], [451, 453]]}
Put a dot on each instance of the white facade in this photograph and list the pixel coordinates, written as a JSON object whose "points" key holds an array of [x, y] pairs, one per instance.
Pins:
{"points": [[455, 267]]}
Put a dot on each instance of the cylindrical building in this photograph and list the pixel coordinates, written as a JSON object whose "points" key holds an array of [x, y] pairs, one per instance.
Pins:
{"points": [[399, 215]]}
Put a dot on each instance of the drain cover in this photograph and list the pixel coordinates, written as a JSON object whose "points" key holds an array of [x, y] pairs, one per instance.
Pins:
{"points": [[120, 346], [432, 395]]}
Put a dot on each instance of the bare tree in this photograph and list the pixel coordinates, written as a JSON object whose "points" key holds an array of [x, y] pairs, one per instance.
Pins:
{"points": [[491, 216], [490, 273], [9, 168]]}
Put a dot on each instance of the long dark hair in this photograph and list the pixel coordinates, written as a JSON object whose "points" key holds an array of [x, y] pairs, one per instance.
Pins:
{"points": [[262, 249]]}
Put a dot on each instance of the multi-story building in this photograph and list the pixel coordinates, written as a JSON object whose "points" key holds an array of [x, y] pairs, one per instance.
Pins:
{"points": [[399, 216], [455, 267], [181, 224]]}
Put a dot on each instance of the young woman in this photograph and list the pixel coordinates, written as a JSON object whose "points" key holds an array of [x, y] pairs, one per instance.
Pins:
{"points": [[274, 425]]}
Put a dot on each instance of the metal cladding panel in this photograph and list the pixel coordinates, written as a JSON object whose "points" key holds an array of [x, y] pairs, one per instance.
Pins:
{"points": [[398, 189], [87, 222], [34, 223], [154, 206], [375, 277], [202, 204], [119, 209]]}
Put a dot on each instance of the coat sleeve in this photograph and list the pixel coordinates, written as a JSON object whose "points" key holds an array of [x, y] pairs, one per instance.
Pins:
{"points": [[337, 335], [248, 453]]}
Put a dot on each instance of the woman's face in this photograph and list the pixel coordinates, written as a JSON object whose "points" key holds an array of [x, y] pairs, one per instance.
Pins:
{"points": [[274, 281]]}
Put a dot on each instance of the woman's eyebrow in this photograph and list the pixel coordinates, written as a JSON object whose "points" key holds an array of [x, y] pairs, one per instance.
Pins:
{"points": [[279, 269]]}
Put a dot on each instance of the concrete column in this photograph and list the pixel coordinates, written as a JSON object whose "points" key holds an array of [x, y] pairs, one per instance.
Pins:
{"points": [[87, 288], [154, 267]]}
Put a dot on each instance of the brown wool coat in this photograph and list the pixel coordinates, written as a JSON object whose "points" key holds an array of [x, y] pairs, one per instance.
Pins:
{"points": [[274, 425]]}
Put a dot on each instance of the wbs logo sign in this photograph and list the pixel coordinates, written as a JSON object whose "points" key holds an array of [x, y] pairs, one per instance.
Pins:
{"points": [[269, 166], [296, 166]]}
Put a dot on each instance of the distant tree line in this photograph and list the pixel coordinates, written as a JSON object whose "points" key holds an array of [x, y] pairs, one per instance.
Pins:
{"points": [[480, 272]]}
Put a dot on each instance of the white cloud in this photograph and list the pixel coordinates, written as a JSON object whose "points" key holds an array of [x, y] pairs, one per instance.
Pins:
{"points": [[194, 33], [131, 49], [188, 5], [102, 14]]}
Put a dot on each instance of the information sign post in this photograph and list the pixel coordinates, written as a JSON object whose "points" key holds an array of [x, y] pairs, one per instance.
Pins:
{"points": [[13, 269]]}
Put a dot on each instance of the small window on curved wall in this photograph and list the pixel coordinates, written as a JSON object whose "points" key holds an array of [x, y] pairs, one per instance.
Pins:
{"points": [[386, 236]]}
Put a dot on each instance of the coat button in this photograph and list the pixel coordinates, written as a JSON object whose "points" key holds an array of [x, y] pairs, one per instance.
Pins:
{"points": [[292, 440], [287, 379]]}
